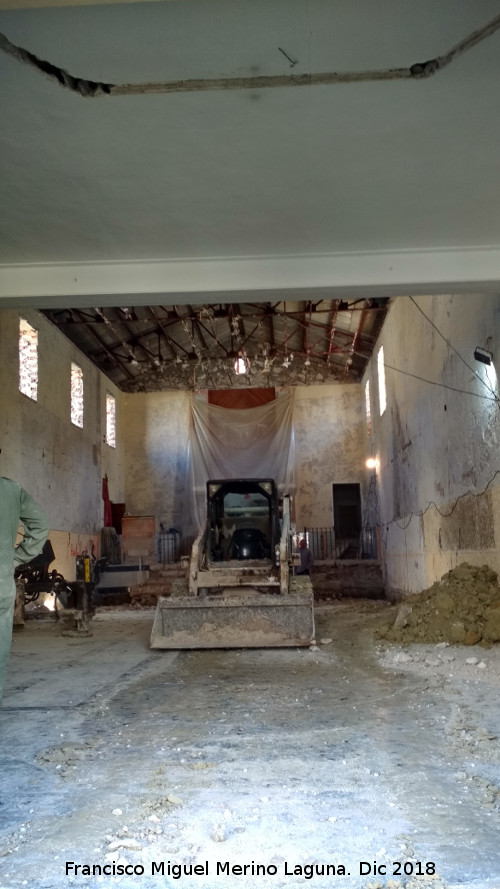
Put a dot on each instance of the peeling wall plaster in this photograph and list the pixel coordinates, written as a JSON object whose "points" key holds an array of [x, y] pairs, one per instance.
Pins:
{"points": [[435, 444]]}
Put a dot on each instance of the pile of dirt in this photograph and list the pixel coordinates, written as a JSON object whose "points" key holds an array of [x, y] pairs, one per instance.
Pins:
{"points": [[461, 608]]}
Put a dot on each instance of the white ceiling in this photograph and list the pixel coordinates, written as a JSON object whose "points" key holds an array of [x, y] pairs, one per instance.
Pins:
{"points": [[391, 185]]}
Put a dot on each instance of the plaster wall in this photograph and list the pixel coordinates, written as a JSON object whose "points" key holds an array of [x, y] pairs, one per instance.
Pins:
{"points": [[60, 464], [157, 426], [436, 490], [330, 441]]}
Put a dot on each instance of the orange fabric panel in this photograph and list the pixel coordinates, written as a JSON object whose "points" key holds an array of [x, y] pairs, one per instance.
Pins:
{"points": [[237, 399]]}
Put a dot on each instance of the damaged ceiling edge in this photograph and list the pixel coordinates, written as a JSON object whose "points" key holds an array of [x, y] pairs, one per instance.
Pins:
{"points": [[92, 88], [148, 348], [47, 4]]}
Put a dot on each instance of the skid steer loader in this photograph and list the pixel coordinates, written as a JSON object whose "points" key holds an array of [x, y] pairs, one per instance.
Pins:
{"points": [[240, 591]]}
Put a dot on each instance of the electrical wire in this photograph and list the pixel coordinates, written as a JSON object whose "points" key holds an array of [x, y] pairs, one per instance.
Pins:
{"points": [[436, 328], [493, 398], [407, 373]]}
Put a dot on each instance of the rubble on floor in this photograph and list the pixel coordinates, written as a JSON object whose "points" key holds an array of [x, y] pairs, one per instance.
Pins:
{"points": [[461, 608], [350, 578], [305, 756], [162, 579]]}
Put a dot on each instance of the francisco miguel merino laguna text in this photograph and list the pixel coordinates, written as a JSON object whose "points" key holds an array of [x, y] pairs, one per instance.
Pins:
{"points": [[222, 868]]}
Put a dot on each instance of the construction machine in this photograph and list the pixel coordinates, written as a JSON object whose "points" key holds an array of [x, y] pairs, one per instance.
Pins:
{"points": [[72, 600], [240, 590]]}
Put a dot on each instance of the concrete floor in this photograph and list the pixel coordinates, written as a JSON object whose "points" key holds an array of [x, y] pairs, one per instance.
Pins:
{"points": [[352, 752]]}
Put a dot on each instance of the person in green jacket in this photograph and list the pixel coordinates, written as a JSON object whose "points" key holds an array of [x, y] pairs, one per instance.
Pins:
{"points": [[16, 507]]}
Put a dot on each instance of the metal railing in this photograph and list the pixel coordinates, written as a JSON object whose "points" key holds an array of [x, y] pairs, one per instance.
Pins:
{"points": [[168, 547], [322, 542], [325, 546], [369, 543]]}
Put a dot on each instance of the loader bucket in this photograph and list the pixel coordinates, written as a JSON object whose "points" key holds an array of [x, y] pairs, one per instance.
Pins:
{"points": [[249, 621]]}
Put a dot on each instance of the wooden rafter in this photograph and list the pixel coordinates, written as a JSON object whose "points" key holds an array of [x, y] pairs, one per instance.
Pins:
{"points": [[115, 360], [168, 339]]}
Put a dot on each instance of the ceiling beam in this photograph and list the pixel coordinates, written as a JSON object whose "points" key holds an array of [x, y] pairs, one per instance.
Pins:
{"points": [[331, 332], [356, 340], [172, 344], [306, 341], [195, 325], [250, 280]]}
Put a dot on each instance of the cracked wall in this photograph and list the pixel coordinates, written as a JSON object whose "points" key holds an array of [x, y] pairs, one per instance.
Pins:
{"points": [[437, 444]]}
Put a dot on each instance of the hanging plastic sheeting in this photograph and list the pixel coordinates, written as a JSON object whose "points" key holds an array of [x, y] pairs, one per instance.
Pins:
{"points": [[256, 442]]}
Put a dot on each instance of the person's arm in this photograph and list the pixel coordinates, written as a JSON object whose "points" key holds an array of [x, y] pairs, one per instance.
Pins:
{"points": [[36, 530]]}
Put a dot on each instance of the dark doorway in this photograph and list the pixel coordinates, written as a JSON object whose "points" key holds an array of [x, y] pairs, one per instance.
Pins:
{"points": [[346, 511]]}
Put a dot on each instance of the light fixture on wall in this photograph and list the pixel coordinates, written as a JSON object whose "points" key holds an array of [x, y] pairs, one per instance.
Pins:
{"points": [[482, 355], [371, 463]]}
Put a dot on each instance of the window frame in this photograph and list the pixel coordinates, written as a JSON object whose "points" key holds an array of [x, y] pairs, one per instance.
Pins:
{"points": [[28, 384], [382, 390], [77, 405], [110, 435]]}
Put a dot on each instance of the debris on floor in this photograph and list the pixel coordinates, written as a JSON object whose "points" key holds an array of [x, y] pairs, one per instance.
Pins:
{"points": [[461, 608], [355, 755]]}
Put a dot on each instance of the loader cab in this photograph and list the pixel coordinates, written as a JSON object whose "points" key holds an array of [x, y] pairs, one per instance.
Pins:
{"points": [[242, 520]]}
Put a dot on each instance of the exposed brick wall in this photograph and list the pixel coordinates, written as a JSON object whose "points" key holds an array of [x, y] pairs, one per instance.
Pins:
{"points": [[348, 579]]}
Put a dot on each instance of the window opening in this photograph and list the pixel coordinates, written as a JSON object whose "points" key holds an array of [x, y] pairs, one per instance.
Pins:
{"points": [[28, 359], [76, 395], [110, 420], [368, 408], [240, 366], [382, 397]]}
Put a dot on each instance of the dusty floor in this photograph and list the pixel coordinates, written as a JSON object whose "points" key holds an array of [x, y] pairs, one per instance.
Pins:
{"points": [[355, 752]]}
